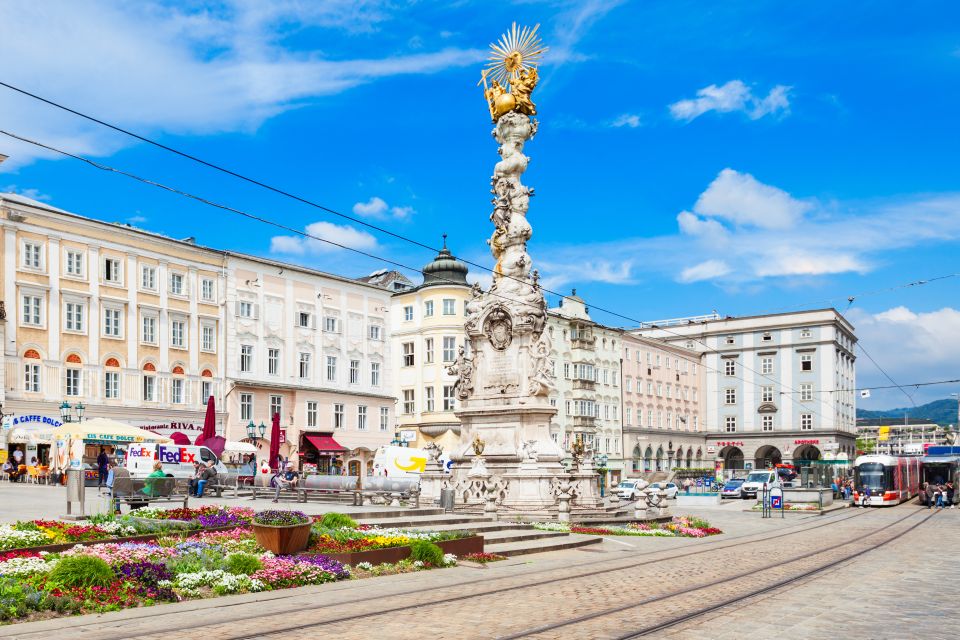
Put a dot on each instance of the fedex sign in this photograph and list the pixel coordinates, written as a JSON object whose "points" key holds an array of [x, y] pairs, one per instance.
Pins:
{"points": [[175, 455]]}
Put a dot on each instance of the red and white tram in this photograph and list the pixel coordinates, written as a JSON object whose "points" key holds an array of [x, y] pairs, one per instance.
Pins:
{"points": [[886, 480]]}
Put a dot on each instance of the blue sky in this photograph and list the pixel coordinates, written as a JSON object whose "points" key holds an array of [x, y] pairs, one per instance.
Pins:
{"points": [[740, 156]]}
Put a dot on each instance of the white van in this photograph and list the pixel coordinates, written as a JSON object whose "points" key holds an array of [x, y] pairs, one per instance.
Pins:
{"points": [[753, 485], [404, 462], [177, 459]]}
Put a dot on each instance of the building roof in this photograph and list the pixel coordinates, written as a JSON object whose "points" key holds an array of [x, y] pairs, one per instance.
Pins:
{"points": [[444, 269]]}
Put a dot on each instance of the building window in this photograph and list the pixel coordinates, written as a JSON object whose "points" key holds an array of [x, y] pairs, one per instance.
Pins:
{"points": [[659, 389], [428, 401], [111, 385], [246, 358], [32, 255], [374, 374], [384, 418], [806, 421], [273, 362], [311, 413], [806, 362], [207, 290], [409, 404], [304, 321], [73, 316], [730, 396], [766, 366], [628, 416], [806, 392], [408, 313], [206, 390], [766, 423], [449, 348], [449, 307], [112, 271], [176, 391], [766, 338], [304, 366], [338, 416], [245, 309], [75, 264], [276, 406], [361, 418], [246, 406], [149, 334], [149, 388], [111, 323], [176, 284], [766, 394], [729, 368], [427, 309], [31, 382], [148, 278], [729, 340], [428, 350], [805, 333], [178, 331], [374, 332], [331, 369], [449, 400], [408, 354], [330, 325], [730, 424], [354, 372], [207, 338], [31, 311]]}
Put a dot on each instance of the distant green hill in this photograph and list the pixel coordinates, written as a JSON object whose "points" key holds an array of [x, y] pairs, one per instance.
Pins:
{"points": [[939, 411]]}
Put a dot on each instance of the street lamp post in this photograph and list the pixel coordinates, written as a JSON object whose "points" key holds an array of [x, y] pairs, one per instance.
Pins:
{"points": [[600, 461], [65, 411], [252, 432]]}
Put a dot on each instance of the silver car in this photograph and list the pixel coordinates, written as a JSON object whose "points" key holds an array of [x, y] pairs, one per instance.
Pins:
{"points": [[670, 488]]}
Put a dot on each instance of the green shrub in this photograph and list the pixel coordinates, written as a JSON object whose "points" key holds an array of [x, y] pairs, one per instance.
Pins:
{"points": [[337, 521], [82, 571], [242, 563], [426, 552]]}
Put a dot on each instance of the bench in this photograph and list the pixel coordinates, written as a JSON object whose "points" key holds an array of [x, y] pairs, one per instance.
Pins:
{"points": [[130, 491], [224, 482]]}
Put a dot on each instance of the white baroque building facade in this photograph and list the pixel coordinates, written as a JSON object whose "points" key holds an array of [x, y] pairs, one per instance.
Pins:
{"points": [[586, 361], [312, 348], [778, 388]]}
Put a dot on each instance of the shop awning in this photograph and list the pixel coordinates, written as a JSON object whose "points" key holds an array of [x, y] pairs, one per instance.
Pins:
{"points": [[325, 443]]}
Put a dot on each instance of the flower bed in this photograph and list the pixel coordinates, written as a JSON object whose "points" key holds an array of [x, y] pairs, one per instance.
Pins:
{"points": [[375, 545], [791, 506], [679, 527], [483, 558]]}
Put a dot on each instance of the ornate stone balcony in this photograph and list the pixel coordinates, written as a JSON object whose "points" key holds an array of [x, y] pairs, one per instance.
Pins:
{"points": [[584, 384]]}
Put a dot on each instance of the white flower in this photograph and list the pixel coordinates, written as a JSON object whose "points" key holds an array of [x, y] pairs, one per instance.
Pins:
{"points": [[25, 566], [417, 564], [449, 559], [366, 566]]}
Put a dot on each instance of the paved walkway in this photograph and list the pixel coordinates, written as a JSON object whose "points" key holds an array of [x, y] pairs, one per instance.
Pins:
{"points": [[519, 595]]}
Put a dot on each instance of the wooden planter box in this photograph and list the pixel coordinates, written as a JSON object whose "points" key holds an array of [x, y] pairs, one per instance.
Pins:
{"points": [[283, 540], [459, 547], [147, 537]]}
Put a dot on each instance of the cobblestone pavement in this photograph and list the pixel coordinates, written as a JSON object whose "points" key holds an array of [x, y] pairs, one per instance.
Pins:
{"points": [[519, 595]]}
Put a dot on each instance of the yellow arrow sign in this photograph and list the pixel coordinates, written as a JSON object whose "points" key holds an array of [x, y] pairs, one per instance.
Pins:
{"points": [[416, 464]]}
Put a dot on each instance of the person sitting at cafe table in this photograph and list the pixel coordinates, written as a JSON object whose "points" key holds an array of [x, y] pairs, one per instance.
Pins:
{"points": [[11, 470], [150, 487]]}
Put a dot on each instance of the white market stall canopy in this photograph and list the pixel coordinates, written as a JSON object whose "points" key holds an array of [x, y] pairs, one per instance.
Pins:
{"points": [[232, 446], [30, 434], [104, 430]]}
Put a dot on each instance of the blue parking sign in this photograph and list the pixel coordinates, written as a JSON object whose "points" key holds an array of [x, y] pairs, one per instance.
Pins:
{"points": [[699, 482], [776, 502]]}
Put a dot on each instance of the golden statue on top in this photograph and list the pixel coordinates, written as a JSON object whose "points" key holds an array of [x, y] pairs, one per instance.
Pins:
{"points": [[512, 72]]}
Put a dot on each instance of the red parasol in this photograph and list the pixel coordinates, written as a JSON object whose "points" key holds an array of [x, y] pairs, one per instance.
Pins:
{"points": [[275, 442], [209, 437]]}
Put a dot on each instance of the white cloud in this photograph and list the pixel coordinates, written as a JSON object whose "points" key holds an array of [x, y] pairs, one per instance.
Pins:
{"points": [[341, 234], [29, 192], [735, 95], [377, 207], [631, 120], [787, 262], [137, 219], [573, 25], [556, 274], [741, 199], [198, 71], [707, 270], [912, 346]]}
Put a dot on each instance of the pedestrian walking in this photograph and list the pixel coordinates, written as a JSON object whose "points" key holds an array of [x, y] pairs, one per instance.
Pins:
{"points": [[938, 495], [103, 462], [929, 493], [950, 494]]}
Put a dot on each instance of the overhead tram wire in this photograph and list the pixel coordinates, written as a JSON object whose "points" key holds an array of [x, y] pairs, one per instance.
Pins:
{"points": [[103, 167], [883, 371]]}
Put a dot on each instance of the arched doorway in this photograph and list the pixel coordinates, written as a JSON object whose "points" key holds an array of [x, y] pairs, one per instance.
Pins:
{"points": [[767, 457], [699, 457], [353, 468], [678, 459], [689, 458], [637, 459], [805, 455], [660, 458], [732, 457], [648, 460]]}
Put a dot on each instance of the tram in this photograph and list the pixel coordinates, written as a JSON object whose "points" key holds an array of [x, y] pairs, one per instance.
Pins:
{"points": [[888, 480], [939, 469]]}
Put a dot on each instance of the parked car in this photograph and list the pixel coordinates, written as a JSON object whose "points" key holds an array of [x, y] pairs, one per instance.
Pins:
{"points": [[630, 489], [732, 488], [670, 488], [756, 480]]}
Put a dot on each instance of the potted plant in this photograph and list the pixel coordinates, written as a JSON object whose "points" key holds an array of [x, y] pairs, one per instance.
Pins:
{"points": [[282, 532]]}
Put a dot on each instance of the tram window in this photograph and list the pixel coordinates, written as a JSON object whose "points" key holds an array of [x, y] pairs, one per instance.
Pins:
{"points": [[875, 476]]}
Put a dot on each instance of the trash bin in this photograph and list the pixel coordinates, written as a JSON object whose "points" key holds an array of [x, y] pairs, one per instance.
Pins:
{"points": [[447, 497], [76, 490]]}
